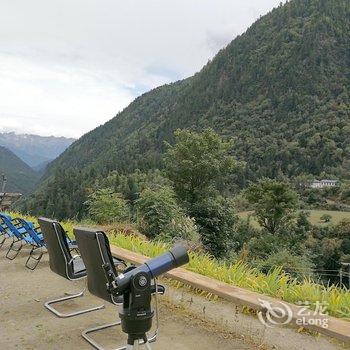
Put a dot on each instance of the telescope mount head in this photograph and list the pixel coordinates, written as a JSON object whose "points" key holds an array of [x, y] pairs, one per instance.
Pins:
{"points": [[136, 315]]}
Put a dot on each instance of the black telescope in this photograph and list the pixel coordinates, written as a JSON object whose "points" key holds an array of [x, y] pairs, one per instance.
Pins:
{"points": [[135, 284]]}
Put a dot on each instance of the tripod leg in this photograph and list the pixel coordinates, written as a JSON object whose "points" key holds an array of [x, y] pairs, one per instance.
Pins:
{"points": [[135, 346]]}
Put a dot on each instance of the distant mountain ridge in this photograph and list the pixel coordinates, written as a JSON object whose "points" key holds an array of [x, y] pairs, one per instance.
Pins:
{"points": [[20, 176], [37, 151], [280, 91]]}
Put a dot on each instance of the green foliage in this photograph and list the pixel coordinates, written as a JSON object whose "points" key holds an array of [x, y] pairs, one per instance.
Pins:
{"points": [[181, 228], [275, 203], [295, 265], [243, 233], [263, 245], [131, 185], [62, 196], [156, 209], [345, 193], [335, 198], [106, 206], [197, 163], [302, 221], [200, 165], [215, 218]]}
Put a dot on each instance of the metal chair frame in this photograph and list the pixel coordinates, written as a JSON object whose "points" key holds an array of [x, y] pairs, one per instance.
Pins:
{"points": [[69, 296]]}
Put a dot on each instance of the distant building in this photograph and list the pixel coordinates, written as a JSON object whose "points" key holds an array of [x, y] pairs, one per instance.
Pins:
{"points": [[7, 199], [323, 183]]}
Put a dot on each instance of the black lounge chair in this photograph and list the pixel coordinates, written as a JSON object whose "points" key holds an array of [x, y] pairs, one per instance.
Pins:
{"points": [[63, 263], [95, 252]]}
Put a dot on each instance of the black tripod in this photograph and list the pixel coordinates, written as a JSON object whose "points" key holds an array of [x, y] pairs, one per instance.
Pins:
{"points": [[136, 315], [135, 286]]}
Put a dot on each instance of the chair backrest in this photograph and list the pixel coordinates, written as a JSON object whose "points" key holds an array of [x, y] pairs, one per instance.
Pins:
{"points": [[95, 251], [33, 233], [10, 225], [60, 258], [6, 215]]}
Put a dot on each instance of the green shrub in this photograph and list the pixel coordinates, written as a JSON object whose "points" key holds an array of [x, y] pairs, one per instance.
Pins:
{"points": [[264, 245], [295, 265], [106, 206], [199, 163], [243, 233], [156, 209], [275, 203], [181, 228], [215, 218]]}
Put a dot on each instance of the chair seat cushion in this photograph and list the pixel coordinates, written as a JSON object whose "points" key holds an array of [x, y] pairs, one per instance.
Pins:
{"points": [[30, 240]]}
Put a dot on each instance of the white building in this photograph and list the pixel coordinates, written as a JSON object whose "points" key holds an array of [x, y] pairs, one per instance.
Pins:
{"points": [[323, 183]]}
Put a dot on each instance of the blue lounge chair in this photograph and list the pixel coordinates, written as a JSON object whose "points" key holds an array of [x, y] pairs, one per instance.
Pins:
{"points": [[23, 233], [4, 227], [16, 231], [3, 232], [34, 238]]}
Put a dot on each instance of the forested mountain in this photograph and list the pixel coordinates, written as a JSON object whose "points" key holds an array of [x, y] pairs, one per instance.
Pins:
{"points": [[20, 177], [37, 151], [280, 90]]}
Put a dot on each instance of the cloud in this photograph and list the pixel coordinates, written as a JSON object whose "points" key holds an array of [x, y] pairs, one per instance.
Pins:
{"points": [[56, 100], [68, 66]]}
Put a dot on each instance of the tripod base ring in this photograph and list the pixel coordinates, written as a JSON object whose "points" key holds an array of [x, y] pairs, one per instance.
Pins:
{"points": [[97, 346]]}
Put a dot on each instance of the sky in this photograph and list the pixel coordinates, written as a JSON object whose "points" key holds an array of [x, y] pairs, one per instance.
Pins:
{"points": [[68, 66]]}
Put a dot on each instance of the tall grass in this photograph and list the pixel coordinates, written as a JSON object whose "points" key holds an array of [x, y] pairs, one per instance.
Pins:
{"points": [[275, 283]]}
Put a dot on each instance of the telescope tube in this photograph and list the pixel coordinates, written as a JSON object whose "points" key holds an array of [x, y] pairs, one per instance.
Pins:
{"points": [[175, 257]]}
